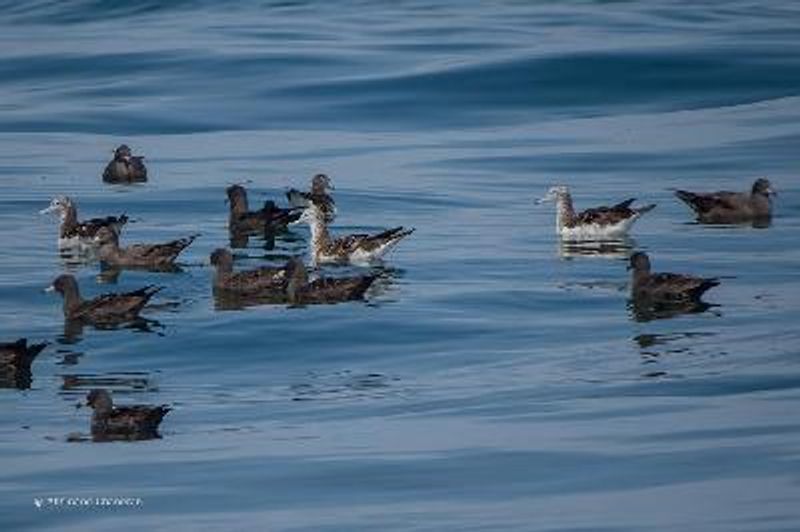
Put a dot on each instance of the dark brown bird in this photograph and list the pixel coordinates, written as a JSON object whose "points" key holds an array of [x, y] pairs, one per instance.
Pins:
{"points": [[260, 281], [15, 363], [138, 255], [299, 291], [664, 287], [76, 233], [725, 207], [320, 184], [103, 309], [270, 218], [125, 167], [131, 422]]}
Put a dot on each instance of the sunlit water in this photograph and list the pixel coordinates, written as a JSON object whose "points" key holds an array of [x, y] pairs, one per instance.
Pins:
{"points": [[493, 380]]}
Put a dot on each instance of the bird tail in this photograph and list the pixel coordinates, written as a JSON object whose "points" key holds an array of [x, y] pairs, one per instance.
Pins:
{"points": [[157, 414], [148, 291], [35, 349], [625, 204], [646, 208], [707, 284], [395, 233], [688, 198], [183, 243]]}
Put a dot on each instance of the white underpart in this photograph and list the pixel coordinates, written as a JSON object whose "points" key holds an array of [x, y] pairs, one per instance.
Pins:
{"points": [[595, 231], [74, 242], [363, 256], [589, 231]]}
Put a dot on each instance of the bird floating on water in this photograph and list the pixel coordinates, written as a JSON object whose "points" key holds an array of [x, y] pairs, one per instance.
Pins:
{"points": [[106, 309], [665, 287], [138, 255], [269, 218], [726, 207], [74, 233], [597, 223], [358, 248], [265, 280], [129, 422], [125, 167], [301, 291]]}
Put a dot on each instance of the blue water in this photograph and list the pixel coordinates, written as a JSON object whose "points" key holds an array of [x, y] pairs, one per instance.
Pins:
{"points": [[494, 381]]}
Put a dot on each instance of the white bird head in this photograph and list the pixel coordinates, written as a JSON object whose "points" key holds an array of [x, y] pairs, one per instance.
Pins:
{"points": [[553, 194], [60, 204]]}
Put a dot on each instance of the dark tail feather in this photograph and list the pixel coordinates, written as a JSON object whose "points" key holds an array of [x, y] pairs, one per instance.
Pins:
{"points": [[148, 291], [404, 233], [394, 233], [35, 349], [363, 284], [292, 215], [625, 204], [646, 208], [707, 284], [688, 198], [156, 415], [183, 243]]}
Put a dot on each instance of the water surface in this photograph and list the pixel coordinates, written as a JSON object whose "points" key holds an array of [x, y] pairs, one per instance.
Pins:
{"points": [[495, 380]]}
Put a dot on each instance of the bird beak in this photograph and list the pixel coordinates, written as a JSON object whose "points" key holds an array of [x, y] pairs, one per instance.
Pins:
{"points": [[542, 200], [771, 191], [50, 288], [48, 210]]}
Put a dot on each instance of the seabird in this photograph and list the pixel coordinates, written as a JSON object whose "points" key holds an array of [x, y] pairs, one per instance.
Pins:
{"points": [[320, 184], [138, 255], [269, 218], [75, 233], [125, 167], [130, 422], [106, 309], [600, 222], [264, 280], [725, 207], [301, 291], [359, 248], [664, 289]]}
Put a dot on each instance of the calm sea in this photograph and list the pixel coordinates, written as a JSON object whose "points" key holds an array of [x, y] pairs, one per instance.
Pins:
{"points": [[494, 380]]}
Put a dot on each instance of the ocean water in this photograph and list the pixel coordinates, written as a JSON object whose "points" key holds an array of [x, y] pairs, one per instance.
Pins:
{"points": [[494, 380]]}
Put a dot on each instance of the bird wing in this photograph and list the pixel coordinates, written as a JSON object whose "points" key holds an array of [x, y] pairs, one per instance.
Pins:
{"points": [[606, 215], [703, 203], [154, 251], [332, 289], [260, 279], [117, 304], [677, 286]]}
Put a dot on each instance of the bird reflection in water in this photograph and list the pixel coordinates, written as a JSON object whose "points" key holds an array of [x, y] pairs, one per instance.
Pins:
{"points": [[110, 274], [620, 248], [73, 329], [644, 310], [15, 363]]}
